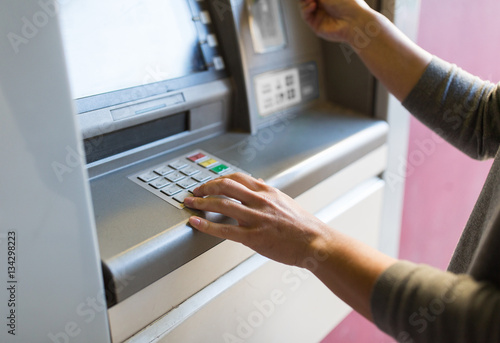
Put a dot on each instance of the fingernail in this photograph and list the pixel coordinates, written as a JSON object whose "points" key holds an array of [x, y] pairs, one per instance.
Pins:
{"points": [[195, 221]]}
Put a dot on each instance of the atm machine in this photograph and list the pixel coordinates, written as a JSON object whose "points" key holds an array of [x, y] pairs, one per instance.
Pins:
{"points": [[171, 94]]}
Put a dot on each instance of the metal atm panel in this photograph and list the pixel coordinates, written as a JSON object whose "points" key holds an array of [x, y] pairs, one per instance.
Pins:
{"points": [[256, 105]]}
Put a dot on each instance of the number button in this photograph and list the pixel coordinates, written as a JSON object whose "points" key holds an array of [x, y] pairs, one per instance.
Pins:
{"points": [[172, 190], [160, 183], [147, 177], [175, 176]]}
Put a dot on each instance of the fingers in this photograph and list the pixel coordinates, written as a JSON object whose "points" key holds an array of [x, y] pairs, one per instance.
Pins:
{"points": [[224, 231], [237, 186], [237, 196], [247, 180], [308, 8], [227, 207]]}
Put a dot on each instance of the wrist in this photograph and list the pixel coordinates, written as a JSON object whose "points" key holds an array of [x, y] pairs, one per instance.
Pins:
{"points": [[364, 28], [318, 250]]}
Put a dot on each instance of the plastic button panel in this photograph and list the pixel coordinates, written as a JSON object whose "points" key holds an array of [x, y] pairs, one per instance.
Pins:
{"points": [[174, 179]]}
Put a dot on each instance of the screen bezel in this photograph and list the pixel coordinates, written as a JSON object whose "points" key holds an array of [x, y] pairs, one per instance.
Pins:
{"points": [[159, 87]]}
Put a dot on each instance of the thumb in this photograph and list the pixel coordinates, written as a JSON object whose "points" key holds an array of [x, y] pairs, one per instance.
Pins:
{"points": [[308, 9]]}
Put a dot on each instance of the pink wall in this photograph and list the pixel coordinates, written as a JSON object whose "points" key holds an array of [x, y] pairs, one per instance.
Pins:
{"points": [[440, 192]]}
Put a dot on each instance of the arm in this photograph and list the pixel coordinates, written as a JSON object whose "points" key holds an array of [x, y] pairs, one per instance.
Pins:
{"points": [[462, 108], [411, 303]]}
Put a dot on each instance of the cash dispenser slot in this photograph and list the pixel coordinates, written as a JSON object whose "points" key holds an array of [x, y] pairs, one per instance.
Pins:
{"points": [[116, 142]]}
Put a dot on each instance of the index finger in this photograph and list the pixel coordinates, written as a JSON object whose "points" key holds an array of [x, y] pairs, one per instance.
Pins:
{"points": [[246, 180], [226, 187]]}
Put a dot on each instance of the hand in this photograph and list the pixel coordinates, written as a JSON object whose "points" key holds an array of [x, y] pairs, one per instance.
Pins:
{"points": [[275, 226], [269, 221], [334, 20]]}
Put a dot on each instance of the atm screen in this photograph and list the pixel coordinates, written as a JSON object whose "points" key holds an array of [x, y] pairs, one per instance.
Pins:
{"points": [[115, 45]]}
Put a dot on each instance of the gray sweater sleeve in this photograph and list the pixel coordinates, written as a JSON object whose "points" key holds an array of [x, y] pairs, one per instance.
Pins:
{"points": [[417, 303], [460, 107]]}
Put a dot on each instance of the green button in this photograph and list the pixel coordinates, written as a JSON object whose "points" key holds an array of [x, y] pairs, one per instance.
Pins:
{"points": [[219, 169]]}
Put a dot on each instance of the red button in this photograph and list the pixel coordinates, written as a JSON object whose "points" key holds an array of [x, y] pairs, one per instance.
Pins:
{"points": [[196, 157]]}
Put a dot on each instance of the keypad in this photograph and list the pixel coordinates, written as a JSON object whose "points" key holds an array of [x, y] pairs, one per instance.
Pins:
{"points": [[174, 180]]}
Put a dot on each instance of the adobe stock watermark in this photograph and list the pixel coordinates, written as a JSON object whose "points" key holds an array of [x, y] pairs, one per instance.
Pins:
{"points": [[221, 7], [425, 315], [407, 165], [87, 311], [291, 280], [32, 25], [453, 120], [250, 147], [363, 36], [75, 157]]}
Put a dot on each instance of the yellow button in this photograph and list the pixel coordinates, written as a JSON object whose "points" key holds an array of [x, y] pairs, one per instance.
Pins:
{"points": [[208, 163]]}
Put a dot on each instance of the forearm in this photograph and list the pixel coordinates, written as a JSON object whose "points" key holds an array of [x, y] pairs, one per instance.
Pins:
{"points": [[347, 267], [418, 303], [391, 56], [460, 107]]}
